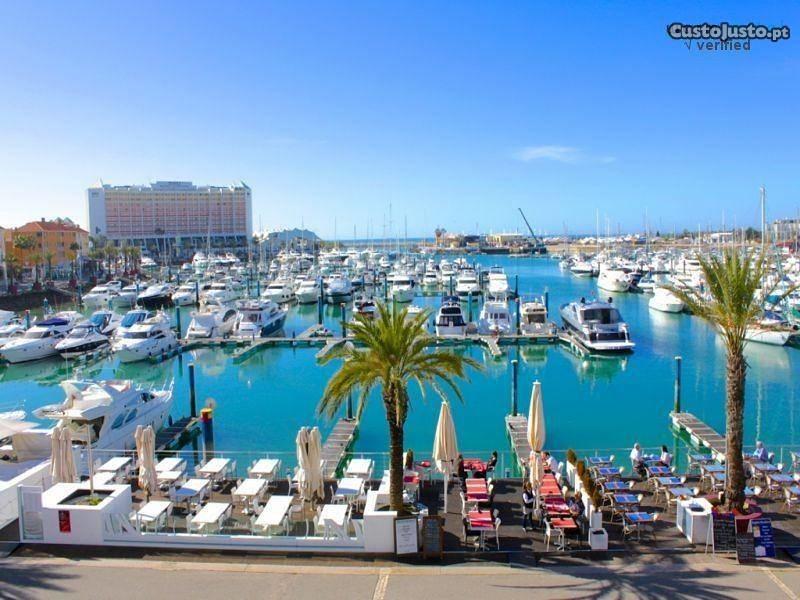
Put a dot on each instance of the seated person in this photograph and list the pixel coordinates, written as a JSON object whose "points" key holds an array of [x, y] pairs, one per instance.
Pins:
{"points": [[665, 458], [760, 453], [550, 462], [461, 472], [637, 460], [492, 462], [577, 509]]}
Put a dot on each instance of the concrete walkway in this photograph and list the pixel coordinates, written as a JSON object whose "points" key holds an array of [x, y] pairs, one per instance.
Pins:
{"points": [[656, 577]]}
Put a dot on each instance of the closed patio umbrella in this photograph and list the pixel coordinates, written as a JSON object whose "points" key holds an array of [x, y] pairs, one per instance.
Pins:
{"points": [[70, 471], [445, 446], [145, 451], [316, 482], [303, 482], [56, 457], [62, 463], [536, 435]]}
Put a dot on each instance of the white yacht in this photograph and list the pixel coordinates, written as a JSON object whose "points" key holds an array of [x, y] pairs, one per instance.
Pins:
{"points": [[467, 284], [40, 340], [98, 296], [223, 292], [494, 318], [598, 325], [533, 319], [279, 291], [12, 328], [213, 320], [258, 318], [188, 292], [402, 288], [84, 337], [131, 318], [613, 279], [308, 291], [772, 329], [430, 279], [365, 306], [126, 297], [106, 321], [157, 295], [151, 337], [665, 301], [450, 318], [339, 288], [498, 283], [582, 268]]}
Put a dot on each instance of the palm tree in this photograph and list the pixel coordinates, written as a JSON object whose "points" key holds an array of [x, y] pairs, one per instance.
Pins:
{"points": [[395, 352], [135, 254], [12, 270], [731, 306], [36, 259], [48, 257], [111, 252]]}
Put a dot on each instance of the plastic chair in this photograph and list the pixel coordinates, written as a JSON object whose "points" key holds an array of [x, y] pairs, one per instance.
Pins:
{"points": [[549, 534]]}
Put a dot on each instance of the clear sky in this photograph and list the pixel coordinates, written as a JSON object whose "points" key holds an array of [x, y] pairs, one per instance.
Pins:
{"points": [[456, 113]]}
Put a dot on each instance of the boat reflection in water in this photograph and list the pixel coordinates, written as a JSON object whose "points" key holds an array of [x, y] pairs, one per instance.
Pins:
{"points": [[534, 354]]}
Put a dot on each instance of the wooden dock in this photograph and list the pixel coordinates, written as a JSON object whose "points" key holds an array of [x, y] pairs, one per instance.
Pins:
{"points": [[492, 345], [312, 332], [170, 434], [336, 445], [517, 431], [573, 342], [700, 433]]}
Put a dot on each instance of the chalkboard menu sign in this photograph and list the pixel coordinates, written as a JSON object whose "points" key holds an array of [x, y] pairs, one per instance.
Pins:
{"points": [[745, 548], [432, 537], [405, 535], [763, 538], [724, 532]]}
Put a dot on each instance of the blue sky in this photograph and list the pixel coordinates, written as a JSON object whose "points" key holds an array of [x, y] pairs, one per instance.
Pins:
{"points": [[455, 113]]}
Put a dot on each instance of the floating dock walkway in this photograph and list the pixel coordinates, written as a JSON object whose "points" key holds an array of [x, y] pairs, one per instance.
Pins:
{"points": [[170, 434], [700, 433], [336, 445], [517, 430]]}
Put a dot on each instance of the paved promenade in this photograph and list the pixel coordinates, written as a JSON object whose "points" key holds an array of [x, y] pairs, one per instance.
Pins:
{"points": [[650, 577]]}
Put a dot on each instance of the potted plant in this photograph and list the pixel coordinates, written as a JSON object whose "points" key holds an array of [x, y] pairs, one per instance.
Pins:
{"points": [[572, 459]]}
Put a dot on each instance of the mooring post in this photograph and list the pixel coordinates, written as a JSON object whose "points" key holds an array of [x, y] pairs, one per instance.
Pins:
{"points": [[678, 361], [547, 301], [344, 320], [516, 286], [320, 306], [192, 396], [207, 423], [469, 295], [514, 374], [178, 319], [197, 293], [350, 406]]}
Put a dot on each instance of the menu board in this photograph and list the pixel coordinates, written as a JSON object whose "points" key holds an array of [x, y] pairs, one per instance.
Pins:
{"points": [[745, 548], [406, 540], [763, 537], [724, 532], [432, 536]]}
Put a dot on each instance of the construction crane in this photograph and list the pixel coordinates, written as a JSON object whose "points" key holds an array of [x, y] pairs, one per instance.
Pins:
{"points": [[538, 245]]}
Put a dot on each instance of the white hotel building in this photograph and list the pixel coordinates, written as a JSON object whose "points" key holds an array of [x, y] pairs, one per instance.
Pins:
{"points": [[186, 215]]}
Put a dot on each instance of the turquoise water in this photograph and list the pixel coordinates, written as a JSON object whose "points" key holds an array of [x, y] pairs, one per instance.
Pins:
{"points": [[589, 403]]}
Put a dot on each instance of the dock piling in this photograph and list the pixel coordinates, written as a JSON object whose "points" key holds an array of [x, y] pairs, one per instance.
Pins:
{"points": [[678, 361], [518, 315], [197, 293], [514, 388], [192, 396], [207, 422], [344, 319], [178, 319]]}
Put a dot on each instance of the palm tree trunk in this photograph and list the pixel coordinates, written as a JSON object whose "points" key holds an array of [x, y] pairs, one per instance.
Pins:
{"points": [[734, 430], [396, 471]]}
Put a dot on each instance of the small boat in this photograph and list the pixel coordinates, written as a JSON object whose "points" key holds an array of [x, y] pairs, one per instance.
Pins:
{"points": [[131, 318], [467, 284], [494, 318], [189, 293], [430, 279], [213, 320], [402, 288], [222, 292], [665, 301], [597, 325], [126, 297], [772, 329], [450, 318], [151, 337], [498, 283], [583, 269], [278, 291], [308, 291], [533, 319], [365, 306], [85, 337], [258, 318], [13, 327], [339, 289], [99, 295], [158, 295], [613, 279], [40, 340]]}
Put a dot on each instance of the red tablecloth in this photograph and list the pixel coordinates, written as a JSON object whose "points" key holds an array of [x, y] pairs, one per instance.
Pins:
{"points": [[474, 464], [563, 523]]}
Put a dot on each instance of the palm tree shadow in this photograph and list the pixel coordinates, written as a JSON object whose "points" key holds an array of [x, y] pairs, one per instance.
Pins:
{"points": [[645, 583], [19, 581]]}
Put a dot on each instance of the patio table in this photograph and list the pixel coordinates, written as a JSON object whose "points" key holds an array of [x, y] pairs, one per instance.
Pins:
{"points": [[481, 521], [679, 491], [658, 471], [171, 463], [249, 491], [211, 514], [169, 477], [335, 514], [609, 471], [638, 519], [762, 467], [349, 488], [215, 468], [600, 461], [103, 478], [274, 512], [359, 467], [565, 524], [626, 499], [712, 468], [668, 481], [152, 511], [116, 464], [191, 489], [265, 468], [615, 486]]}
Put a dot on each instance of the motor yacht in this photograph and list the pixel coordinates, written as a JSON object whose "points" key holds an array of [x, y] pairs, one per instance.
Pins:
{"points": [[467, 284], [98, 296], [450, 318], [583, 268], [613, 279], [498, 283], [533, 319], [279, 291], [597, 325], [365, 306], [189, 293], [106, 321], [213, 320], [665, 301], [339, 288], [12, 329], [158, 295], [430, 279], [773, 329], [258, 318], [126, 297], [131, 318], [40, 340], [494, 318], [151, 337], [308, 291], [85, 337], [222, 292], [402, 288], [447, 270]]}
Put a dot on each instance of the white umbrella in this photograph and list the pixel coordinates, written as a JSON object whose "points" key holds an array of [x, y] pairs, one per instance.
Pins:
{"points": [[145, 451], [445, 446], [536, 435], [55, 455], [62, 464], [9, 427], [304, 484], [70, 471], [315, 477]]}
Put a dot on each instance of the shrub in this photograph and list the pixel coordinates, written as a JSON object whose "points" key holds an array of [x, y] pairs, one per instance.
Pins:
{"points": [[580, 468], [572, 458]]}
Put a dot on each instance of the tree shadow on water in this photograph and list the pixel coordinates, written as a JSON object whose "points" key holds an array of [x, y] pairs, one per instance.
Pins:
{"points": [[19, 581], [647, 582]]}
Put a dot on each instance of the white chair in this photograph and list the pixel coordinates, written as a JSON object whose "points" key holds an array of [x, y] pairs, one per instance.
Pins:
{"points": [[189, 523], [358, 529], [790, 500], [550, 533], [497, 523]]}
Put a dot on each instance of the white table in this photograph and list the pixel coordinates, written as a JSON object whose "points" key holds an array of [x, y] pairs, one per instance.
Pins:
{"points": [[116, 464], [103, 478], [191, 489], [152, 511], [349, 488], [250, 490], [171, 463], [265, 468], [168, 477], [211, 514], [333, 514], [274, 512], [215, 468], [359, 467]]}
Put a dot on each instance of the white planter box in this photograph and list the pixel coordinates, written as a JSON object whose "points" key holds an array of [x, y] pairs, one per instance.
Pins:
{"points": [[598, 539]]}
